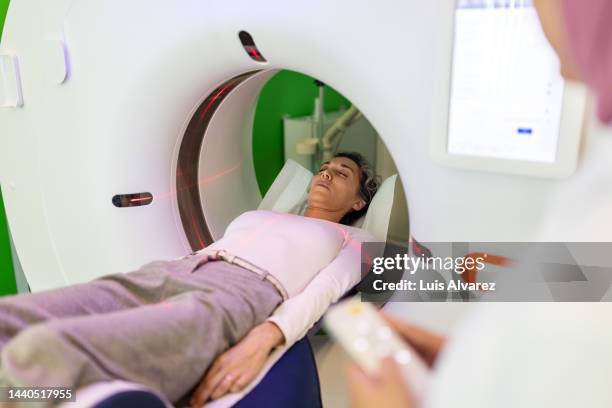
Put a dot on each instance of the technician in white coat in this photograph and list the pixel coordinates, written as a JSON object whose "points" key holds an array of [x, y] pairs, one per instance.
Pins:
{"points": [[528, 354]]}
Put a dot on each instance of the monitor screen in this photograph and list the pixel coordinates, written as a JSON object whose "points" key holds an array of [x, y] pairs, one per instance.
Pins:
{"points": [[506, 89]]}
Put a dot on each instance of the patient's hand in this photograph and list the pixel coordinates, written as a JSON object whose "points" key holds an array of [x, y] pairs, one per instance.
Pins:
{"points": [[238, 366]]}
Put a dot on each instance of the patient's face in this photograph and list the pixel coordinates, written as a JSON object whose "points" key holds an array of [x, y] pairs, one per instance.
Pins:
{"points": [[336, 186]]}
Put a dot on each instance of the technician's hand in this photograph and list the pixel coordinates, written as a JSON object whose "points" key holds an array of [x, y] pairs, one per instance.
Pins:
{"points": [[238, 366], [426, 343], [388, 389]]}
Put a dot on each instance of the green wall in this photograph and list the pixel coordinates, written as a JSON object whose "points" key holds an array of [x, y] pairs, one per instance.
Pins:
{"points": [[3, 7], [7, 276], [8, 285], [287, 93]]}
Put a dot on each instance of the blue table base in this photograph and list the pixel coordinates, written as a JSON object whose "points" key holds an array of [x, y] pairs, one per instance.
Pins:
{"points": [[292, 382]]}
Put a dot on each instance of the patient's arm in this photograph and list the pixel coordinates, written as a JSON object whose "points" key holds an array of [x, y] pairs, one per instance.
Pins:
{"points": [[237, 367], [298, 314]]}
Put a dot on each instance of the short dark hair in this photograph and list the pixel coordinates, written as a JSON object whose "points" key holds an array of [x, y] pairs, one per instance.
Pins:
{"points": [[368, 185]]}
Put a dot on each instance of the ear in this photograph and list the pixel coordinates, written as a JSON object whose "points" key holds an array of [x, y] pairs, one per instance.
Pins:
{"points": [[358, 205]]}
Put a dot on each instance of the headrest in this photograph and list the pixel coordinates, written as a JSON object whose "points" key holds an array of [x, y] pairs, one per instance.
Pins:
{"points": [[289, 192]]}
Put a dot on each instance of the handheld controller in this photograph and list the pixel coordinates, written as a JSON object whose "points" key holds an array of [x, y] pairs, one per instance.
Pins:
{"points": [[368, 339]]}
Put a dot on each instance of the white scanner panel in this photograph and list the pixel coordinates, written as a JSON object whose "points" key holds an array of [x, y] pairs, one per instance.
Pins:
{"points": [[137, 72]]}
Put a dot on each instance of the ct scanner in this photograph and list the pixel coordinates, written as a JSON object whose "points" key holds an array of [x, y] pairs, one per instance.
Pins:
{"points": [[113, 100], [126, 126]]}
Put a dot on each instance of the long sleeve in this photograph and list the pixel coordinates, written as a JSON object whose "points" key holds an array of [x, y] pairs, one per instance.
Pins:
{"points": [[298, 314]]}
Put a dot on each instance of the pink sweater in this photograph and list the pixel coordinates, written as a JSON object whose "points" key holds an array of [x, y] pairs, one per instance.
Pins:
{"points": [[316, 261]]}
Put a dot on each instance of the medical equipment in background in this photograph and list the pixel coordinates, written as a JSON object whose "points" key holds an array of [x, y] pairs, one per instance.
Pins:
{"points": [[310, 145], [310, 151], [319, 118], [322, 143], [509, 108], [337, 131]]}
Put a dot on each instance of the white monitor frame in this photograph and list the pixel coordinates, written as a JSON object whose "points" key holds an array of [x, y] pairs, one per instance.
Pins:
{"points": [[571, 126]]}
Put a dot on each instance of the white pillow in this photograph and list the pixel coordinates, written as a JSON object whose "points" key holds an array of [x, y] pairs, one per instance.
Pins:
{"points": [[289, 191], [379, 213]]}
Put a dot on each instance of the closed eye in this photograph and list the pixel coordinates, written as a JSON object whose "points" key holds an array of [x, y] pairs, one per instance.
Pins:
{"points": [[341, 173]]}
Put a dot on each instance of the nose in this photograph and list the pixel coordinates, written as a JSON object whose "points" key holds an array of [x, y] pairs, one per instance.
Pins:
{"points": [[325, 175]]}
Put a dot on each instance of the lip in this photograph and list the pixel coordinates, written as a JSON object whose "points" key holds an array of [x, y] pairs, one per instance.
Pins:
{"points": [[323, 184]]}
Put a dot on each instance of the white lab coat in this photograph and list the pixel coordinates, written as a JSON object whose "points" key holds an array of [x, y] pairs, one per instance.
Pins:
{"points": [[541, 354]]}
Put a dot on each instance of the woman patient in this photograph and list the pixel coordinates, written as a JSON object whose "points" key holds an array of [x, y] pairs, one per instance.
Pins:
{"points": [[205, 322]]}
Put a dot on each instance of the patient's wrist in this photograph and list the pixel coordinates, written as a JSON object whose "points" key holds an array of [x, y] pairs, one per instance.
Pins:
{"points": [[271, 334]]}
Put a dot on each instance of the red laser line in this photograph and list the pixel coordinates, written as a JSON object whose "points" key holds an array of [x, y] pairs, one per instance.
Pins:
{"points": [[200, 182], [214, 98], [134, 200]]}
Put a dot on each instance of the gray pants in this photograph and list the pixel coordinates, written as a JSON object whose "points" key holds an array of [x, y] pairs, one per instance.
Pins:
{"points": [[160, 326]]}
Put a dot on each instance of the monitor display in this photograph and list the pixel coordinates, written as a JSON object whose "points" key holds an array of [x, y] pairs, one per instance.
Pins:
{"points": [[506, 94]]}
